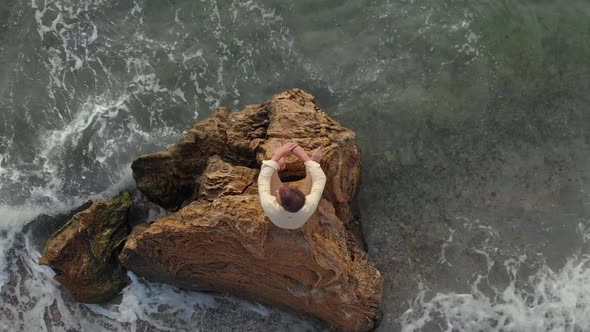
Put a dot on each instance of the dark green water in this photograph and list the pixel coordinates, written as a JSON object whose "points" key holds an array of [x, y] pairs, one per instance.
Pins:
{"points": [[473, 119]]}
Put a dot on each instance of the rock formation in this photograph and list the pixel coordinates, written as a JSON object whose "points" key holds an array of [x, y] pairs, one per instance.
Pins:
{"points": [[219, 238], [168, 177], [246, 138], [83, 253]]}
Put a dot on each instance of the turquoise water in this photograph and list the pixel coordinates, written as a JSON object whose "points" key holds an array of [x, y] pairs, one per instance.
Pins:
{"points": [[472, 116]]}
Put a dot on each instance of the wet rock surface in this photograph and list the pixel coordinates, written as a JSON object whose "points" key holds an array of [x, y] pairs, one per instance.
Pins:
{"points": [[83, 252], [220, 240]]}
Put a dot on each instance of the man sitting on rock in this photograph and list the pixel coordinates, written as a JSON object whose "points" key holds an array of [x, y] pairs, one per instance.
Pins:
{"points": [[287, 206]]}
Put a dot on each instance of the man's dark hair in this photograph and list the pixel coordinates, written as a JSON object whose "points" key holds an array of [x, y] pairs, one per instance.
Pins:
{"points": [[292, 199]]}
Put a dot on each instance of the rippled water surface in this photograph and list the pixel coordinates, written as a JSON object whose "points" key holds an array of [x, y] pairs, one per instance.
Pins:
{"points": [[473, 119]]}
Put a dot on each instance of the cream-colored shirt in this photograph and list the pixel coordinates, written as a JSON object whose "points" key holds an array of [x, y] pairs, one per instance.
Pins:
{"points": [[274, 211]]}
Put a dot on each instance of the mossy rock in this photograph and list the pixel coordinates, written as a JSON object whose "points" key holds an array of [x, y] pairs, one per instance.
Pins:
{"points": [[83, 253]]}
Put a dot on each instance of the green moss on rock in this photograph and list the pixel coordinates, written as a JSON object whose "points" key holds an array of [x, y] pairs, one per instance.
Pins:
{"points": [[83, 252]]}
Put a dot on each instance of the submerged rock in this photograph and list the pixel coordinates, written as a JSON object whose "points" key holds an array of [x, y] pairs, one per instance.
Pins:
{"points": [[221, 239], [83, 253]]}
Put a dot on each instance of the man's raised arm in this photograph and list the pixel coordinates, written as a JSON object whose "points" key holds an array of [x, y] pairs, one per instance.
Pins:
{"points": [[318, 179]]}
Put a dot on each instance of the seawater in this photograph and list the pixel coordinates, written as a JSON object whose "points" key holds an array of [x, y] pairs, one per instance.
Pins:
{"points": [[551, 301], [472, 118]]}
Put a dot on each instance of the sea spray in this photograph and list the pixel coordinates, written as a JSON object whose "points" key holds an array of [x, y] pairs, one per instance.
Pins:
{"points": [[13, 220], [550, 301], [149, 301], [31, 293], [406, 76]]}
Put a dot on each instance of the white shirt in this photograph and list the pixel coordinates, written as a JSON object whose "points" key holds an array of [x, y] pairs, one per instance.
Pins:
{"points": [[275, 212]]}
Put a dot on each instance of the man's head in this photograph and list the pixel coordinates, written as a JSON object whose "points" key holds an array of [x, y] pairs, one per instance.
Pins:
{"points": [[290, 198]]}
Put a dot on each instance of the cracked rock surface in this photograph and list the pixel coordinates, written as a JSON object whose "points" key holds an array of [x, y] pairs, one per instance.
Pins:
{"points": [[221, 240], [218, 238]]}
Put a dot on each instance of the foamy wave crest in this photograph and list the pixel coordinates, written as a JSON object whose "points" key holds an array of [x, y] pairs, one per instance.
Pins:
{"points": [[548, 301], [13, 220], [103, 137], [144, 301], [32, 294], [32, 301]]}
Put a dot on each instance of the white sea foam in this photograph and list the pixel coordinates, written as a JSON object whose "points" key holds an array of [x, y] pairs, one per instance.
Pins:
{"points": [[38, 296], [95, 130], [144, 300], [541, 300], [13, 220], [552, 301], [584, 230], [255, 307], [106, 116], [443, 259]]}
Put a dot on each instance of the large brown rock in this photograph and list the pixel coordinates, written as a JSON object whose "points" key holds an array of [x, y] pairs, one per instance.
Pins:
{"points": [[83, 253], [222, 241], [168, 177], [223, 179], [246, 138]]}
